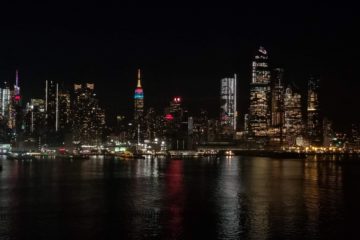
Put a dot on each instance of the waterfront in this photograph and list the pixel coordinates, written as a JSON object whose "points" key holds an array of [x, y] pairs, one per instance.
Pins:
{"points": [[228, 198]]}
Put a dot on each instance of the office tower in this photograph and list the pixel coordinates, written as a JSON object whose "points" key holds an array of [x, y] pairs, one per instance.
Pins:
{"points": [[176, 125], [64, 111], [176, 109], [293, 125], [259, 111], [138, 99], [6, 106], [228, 105], [275, 132], [314, 122], [52, 106], [328, 133], [153, 125], [17, 110], [35, 117], [88, 118], [277, 98]]}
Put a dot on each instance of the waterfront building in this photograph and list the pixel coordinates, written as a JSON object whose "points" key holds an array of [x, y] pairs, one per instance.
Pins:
{"points": [[277, 98], [314, 122], [228, 105], [6, 105], [277, 106], [88, 118], [51, 107], [293, 124], [64, 111], [328, 133], [259, 111], [37, 115]]}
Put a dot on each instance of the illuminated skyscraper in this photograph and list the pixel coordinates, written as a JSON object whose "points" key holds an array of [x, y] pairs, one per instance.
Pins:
{"points": [[228, 105], [35, 117], [259, 111], [6, 103], [64, 111], [138, 99], [52, 106], [176, 109], [88, 118], [17, 96], [17, 111], [293, 125], [277, 98], [277, 106], [314, 121]]}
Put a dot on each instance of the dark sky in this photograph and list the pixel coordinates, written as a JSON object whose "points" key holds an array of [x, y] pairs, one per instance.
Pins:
{"points": [[180, 51]]}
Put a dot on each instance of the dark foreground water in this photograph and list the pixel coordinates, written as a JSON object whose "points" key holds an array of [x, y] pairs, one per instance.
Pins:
{"points": [[230, 198]]}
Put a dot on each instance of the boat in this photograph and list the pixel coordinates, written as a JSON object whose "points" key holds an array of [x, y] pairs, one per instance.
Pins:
{"points": [[129, 155], [125, 154]]}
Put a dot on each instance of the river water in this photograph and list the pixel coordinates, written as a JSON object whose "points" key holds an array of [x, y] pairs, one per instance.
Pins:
{"points": [[227, 198]]}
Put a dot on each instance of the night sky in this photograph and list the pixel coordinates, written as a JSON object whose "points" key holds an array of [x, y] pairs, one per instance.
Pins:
{"points": [[181, 52]]}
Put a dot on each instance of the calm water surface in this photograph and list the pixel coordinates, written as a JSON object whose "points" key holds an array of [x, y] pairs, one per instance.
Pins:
{"points": [[228, 198]]}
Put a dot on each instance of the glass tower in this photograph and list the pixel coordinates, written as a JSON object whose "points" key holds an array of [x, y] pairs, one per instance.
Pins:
{"points": [[259, 112], [228, 104]]}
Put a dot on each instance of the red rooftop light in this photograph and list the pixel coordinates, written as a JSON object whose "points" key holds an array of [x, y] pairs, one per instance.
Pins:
{"points": [[169, 117], [177, 99]]}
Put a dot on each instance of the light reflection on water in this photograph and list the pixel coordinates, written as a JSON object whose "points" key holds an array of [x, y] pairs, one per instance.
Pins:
{"points": [[228, 198]]}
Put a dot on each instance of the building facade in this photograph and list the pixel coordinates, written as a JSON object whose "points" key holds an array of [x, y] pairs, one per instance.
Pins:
{"points": [[293, 123], [88, 118], [314, 121], [259, 111], [228, 105]]}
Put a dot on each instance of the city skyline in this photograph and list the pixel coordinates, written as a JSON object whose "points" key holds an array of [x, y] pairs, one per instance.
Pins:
{"points": [[180, 56], [179, 123]]}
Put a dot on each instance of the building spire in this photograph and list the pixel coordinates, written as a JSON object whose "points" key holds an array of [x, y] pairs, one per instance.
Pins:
{"points": [[16, 87], [139, 79], [17, 78]]}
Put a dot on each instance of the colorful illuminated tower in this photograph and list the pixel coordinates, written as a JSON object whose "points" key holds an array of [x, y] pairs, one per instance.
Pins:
{"points": [[17, 96], [138, 99]]}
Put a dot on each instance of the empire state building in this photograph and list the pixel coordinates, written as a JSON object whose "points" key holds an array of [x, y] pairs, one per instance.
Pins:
{"points": [[138, 99]]}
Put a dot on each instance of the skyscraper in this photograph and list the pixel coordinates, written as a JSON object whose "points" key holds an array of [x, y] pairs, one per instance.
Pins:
{"points": [[17, 96], [64, 111], [88, 118], [176, 109], [277, 106], [17, 110], [51, 106], [314, 121], [293, 124], [228, 105], [6, 105], [138, 99], [277, 98], [35, 117], [259, 111]]}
